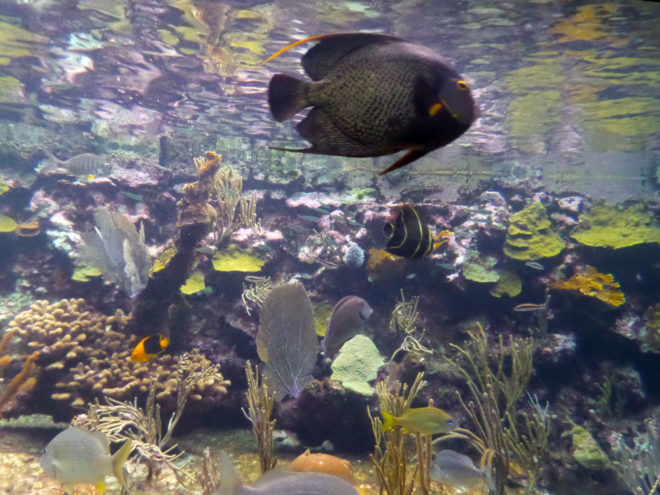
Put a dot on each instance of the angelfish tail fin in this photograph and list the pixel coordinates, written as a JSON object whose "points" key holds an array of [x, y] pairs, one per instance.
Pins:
{"points": [[118, 460], [286, 96]]}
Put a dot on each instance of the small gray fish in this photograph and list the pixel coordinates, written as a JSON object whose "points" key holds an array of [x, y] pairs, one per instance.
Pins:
{"points": [[281, 482], [458, 471], [80, 456], [348, 317], [84, 164]]}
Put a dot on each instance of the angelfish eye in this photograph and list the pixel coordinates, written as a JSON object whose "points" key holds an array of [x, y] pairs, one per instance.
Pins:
{"points": [[462, 86]]}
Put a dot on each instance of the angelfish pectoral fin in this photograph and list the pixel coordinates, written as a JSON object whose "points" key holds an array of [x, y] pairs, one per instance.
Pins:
{"points": [[406, 159]]}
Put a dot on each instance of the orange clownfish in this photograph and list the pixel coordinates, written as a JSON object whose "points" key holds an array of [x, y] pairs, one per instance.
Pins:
{"points": [[150, 347]]}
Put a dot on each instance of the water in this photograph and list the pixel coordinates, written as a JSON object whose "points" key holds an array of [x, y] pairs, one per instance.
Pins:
{"points": [[570, 115]]}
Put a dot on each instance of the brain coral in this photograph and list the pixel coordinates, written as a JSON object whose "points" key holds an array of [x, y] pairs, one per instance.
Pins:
{"points": [[529, 236], [617, 226], [84, 356]]}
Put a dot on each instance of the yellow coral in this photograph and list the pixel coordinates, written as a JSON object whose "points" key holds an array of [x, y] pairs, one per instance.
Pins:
{"points": [[529, 236], [234, 261], [7, 224], [194, 284], [594, 284]]}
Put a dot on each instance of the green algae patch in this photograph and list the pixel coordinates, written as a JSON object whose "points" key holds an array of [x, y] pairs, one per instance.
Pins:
{"points": [[16, 41], [162, 261], [586, 450], [529, 235], [480, 268], [357, 364], [617, 226], [322, 314], [7, 224], [194, 284], [509, 284], [232, 260], [11, 90], [85, 273]]}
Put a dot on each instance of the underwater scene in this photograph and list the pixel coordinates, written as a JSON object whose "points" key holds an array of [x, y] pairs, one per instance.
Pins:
{"points": [[388, 247]]}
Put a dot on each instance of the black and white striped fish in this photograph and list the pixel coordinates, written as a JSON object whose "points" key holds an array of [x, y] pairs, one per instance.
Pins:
{"points": [[408, 235]]}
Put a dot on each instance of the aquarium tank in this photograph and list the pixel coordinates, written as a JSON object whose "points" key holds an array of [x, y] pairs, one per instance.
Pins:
{"points": [[388, 247]]}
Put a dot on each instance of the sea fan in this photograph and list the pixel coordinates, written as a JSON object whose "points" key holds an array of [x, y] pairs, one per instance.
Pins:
{"points": [[287, 341]]}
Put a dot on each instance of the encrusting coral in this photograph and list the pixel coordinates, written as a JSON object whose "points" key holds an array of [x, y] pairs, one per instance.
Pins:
{"points": [[85, 355], [529, 236], [594, 284], [617, 226]]}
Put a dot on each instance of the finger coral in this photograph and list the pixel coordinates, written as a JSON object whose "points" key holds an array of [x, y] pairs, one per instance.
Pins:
{"points": [[529, 236], [594, 284], [85, 356]]}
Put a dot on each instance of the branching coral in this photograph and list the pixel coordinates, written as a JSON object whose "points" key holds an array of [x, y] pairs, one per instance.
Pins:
{"points": [[260, 410], [395, 475], [404, 320], [594, 284], [86, 356], [122, 421], [255, 294], [234, 209], [195, 216], [496, 434]]}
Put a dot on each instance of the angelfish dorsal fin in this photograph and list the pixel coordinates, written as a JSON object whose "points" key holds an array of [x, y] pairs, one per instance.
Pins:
{"points": [[322, 57]]}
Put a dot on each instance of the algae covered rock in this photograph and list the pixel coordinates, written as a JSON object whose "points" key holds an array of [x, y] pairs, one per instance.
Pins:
{"points": [[586, 450], [357, 364], [617, 226], [529, 236]]}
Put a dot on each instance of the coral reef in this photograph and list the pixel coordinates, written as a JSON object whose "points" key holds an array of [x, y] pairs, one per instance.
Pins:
{"points": [[529, 235], [232, 260], [357, 364], [594, 284], [195, 217], [617, 226], [85, 356]]}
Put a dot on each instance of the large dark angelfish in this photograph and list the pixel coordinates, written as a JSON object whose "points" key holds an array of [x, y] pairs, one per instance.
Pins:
{"points": [[372, 95]]}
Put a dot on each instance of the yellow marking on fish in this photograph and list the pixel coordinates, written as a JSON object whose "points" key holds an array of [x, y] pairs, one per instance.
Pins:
{"points": [[435, 109], [462, 86], [299, 42]]}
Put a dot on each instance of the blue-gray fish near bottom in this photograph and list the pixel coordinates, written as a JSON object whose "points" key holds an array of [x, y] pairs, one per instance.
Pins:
{"points": [[79, 456], [281, 482], [457, 470]]}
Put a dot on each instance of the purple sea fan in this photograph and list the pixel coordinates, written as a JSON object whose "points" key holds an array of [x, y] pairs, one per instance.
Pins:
{"points": [[286, 340]]}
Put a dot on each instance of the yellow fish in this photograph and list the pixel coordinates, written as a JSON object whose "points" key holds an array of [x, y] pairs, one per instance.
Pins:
{"points": [[424, 420], [150, 347]]}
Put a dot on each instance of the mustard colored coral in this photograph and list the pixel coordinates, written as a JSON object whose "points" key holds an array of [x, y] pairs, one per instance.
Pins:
{"points": [[194, 284], [594, 284], [232, 260], [529, 235], [617, 226]]}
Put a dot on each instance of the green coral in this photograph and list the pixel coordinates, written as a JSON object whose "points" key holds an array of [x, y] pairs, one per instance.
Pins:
{"points": [[85, 273], [617, 226], [586, 450], [357, 364], [529, 236], [194, 284], [322, 314], [479, 268], [7, 224], [232, 260], [509, 284]]}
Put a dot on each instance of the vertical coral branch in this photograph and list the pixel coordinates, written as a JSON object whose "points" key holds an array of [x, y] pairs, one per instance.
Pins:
{"points": [[260, 410], [15, 384], [195, 217]]}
